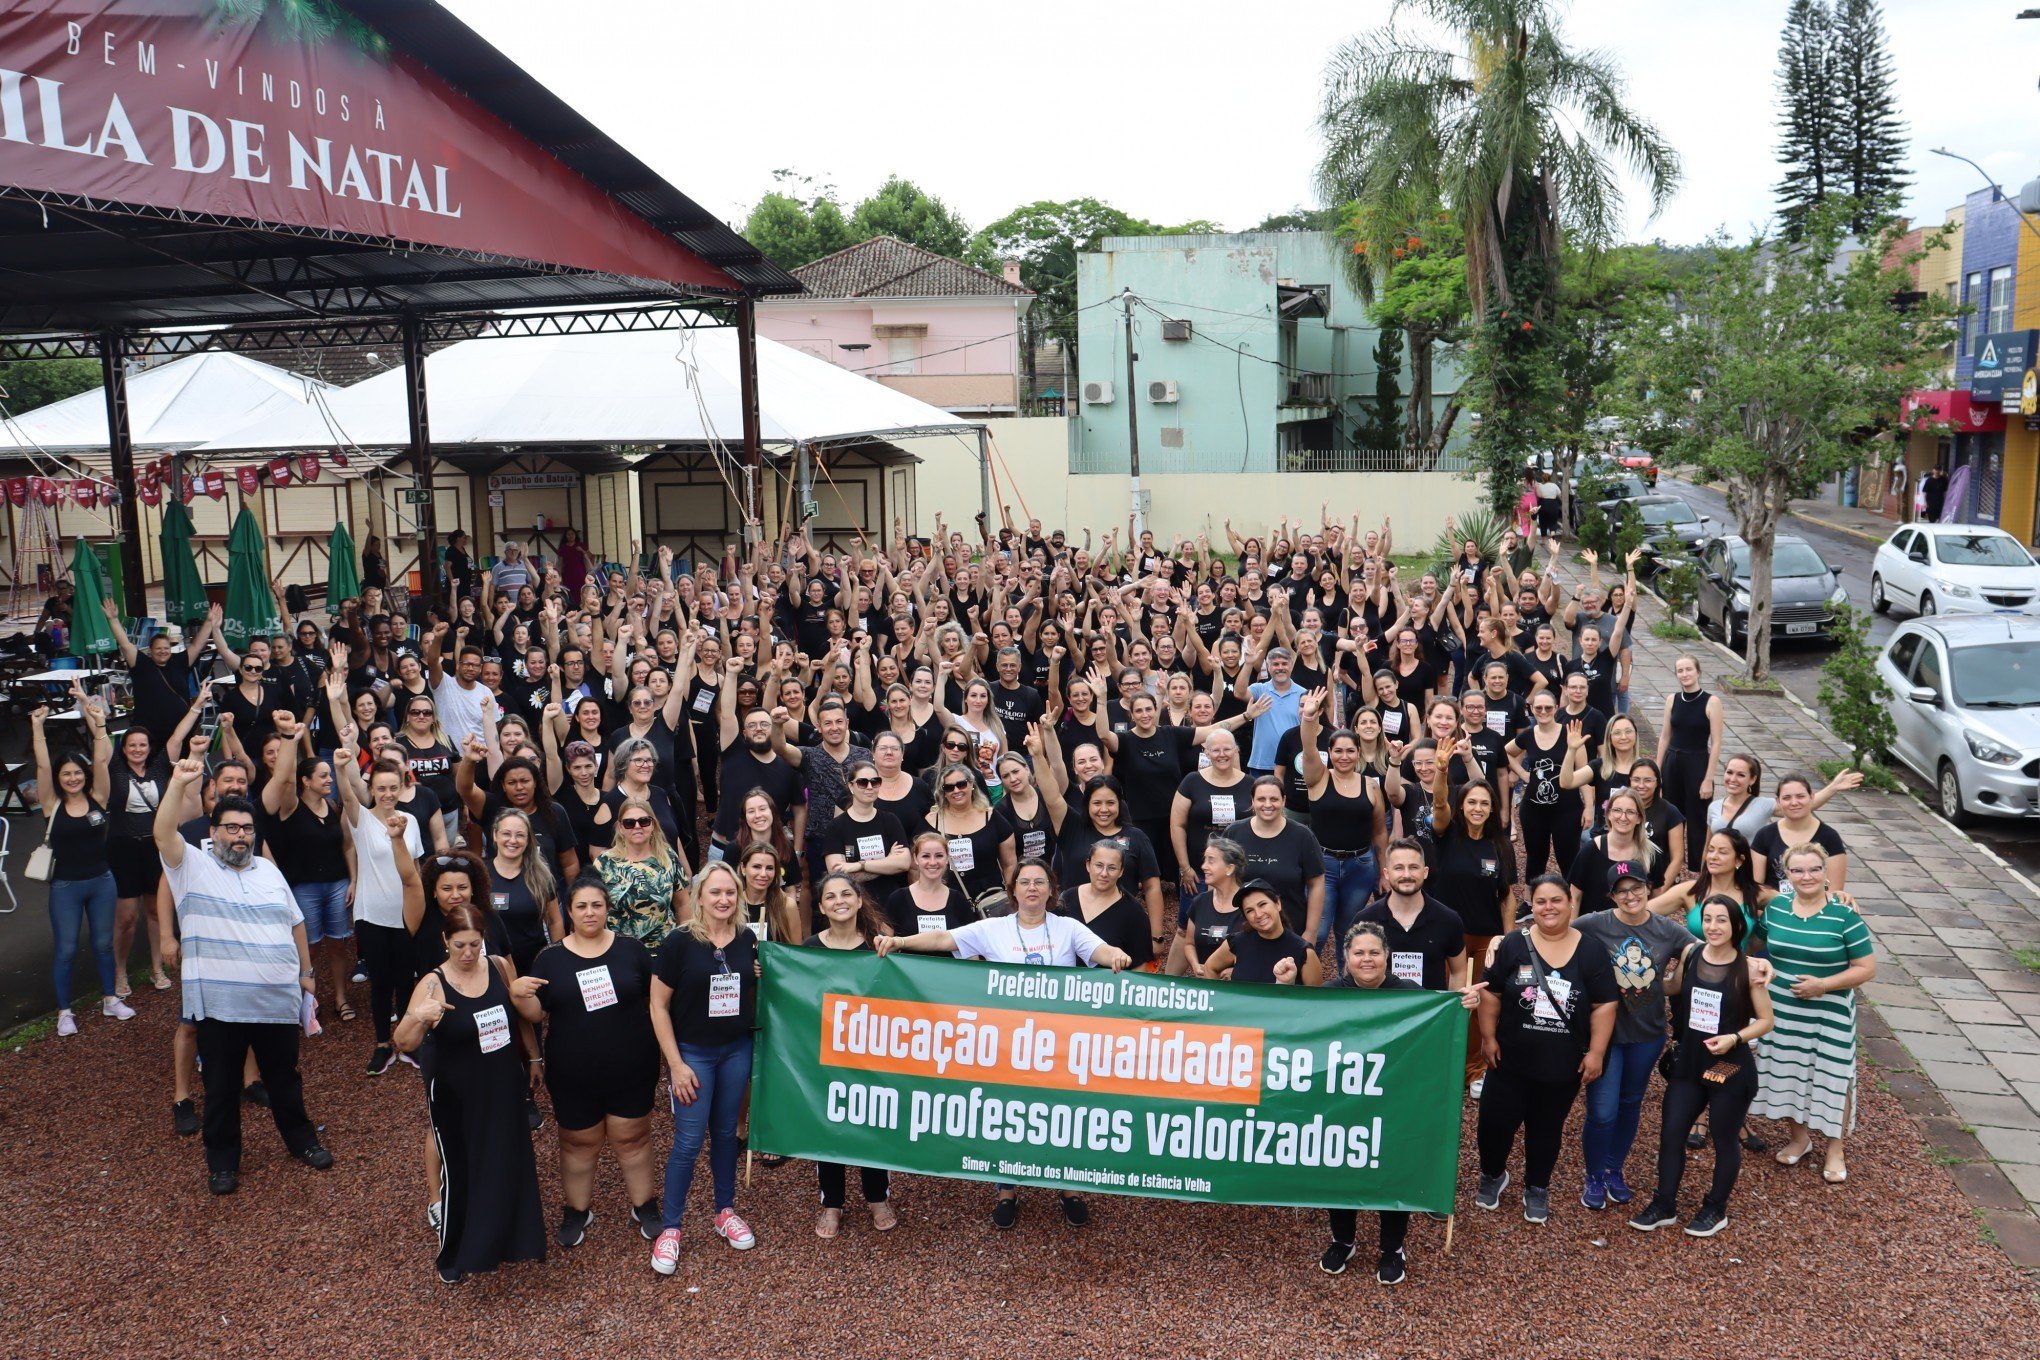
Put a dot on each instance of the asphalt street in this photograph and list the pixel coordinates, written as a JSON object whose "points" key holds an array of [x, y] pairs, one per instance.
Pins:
{"points": [[1796, 664]]}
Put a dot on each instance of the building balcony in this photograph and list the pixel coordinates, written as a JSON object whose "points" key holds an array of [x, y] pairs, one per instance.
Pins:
{"points": [[969, 392], [1309, 389]]}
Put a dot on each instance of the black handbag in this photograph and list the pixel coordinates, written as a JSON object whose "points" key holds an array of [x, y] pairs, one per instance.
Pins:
{"points": [[1668, 1061]]}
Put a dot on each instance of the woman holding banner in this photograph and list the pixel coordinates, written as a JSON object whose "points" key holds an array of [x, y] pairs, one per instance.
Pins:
{"points": [[850, 923], [1031, 935], [1264, 949]]}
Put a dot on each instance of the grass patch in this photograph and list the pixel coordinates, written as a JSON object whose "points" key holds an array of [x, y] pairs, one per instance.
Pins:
{"points": [[1875, 775], [1410, 566], [2029, 958], [1983, 1228], [1674, 629], [1940, 1156], [1742, 684]]}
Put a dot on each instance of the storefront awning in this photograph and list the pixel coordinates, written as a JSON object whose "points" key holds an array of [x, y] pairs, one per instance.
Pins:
{"points": [[1950, 411]]}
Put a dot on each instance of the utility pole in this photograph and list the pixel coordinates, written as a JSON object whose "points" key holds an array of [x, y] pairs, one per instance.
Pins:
{"points": [[1132, 417]]}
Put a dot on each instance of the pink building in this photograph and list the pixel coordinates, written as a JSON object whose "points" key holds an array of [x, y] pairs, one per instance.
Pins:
{"points": [[916, 321]]}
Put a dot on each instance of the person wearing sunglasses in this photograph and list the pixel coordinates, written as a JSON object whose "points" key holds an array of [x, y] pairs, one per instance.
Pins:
{"points": [[430, 754], [864, 841], [252, 703], [980, 849], [647, 881]]}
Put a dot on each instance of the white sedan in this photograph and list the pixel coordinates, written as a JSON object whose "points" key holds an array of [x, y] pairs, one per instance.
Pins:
{"points": [[1954, 569]]}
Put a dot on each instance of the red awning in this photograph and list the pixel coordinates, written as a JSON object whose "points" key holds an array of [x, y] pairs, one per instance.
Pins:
{"points": [[1931, 408]]}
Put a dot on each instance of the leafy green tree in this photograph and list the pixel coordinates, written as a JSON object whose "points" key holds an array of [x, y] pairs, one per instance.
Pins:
{"points": [[798, 222], [1600, 297], [1421, 292], [1046, 237], [1300, 219], [1857, 700], [1518, 136], [1869, 159], [30, 383], [1383, 428], [901, 208], [1769, 368]]}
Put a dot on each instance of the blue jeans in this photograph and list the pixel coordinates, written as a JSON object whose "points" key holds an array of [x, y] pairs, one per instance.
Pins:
{"points": [[1349, 883], [73, 901], [1615, 1103], [723, 1072], [324, 907]]}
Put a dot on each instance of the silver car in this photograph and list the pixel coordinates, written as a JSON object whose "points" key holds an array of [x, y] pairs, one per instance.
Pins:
{"points": [[1965, 702]]}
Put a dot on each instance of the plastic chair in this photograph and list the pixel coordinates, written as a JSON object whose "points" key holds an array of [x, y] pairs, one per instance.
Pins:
{"points": [[13, 902]]}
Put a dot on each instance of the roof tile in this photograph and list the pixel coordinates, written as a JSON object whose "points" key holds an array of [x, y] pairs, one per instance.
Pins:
{"points": [[886, 266]]}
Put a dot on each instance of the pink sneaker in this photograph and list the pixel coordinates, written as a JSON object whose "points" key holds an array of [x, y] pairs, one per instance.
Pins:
{"points": [[734, 1230], [666, 1252]]}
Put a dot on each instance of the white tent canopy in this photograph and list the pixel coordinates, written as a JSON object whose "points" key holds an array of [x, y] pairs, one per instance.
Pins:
{"points": [[171, 406], [627, 388]]}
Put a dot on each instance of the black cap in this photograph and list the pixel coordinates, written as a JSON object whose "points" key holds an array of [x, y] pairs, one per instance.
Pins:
{"points": [[1622, 869]]}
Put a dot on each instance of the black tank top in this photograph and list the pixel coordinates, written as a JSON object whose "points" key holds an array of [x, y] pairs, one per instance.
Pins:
{"points": [[78, 843], [1689, 722], [1543, 764], [1736, 1012], [1341, 823], [1032, 836]]}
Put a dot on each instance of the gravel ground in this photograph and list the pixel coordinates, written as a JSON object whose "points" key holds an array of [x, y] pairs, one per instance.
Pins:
{"points": [[119, 1249]]}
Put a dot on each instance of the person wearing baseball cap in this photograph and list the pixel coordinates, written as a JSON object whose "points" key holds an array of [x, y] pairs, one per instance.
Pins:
{"points": [[1639, 946]]}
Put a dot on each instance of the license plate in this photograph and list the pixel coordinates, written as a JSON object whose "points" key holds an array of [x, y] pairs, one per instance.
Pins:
{"points": [[1801, 629]]}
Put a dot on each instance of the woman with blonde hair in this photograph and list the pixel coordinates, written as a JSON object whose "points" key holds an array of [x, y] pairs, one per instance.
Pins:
{"points": [[522, 889], [980, 850], [647, 881]]}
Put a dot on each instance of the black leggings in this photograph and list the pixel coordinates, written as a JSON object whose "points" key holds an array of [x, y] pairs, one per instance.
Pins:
{"points": [[1682, 775], [685, 815], [386, 951], [1509, 1102], [876, 1183], [1550, 834], [1726, 1103], [1395, 1227]]}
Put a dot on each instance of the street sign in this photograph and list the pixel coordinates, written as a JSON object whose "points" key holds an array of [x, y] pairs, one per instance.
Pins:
{"points": [[418, 495]]}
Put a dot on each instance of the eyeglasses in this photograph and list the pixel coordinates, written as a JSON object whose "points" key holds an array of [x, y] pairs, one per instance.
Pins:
{"points": [[641, 703], [240, 828], [956, 787], [865, 782], [634, 823]]}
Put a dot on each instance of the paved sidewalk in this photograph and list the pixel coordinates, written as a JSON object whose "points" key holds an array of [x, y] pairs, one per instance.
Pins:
{"points": [[1853, 520], [1954, 1028]]}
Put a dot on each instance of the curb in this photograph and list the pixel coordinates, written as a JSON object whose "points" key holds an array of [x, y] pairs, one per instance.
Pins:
{"points": [[1835, 526]]}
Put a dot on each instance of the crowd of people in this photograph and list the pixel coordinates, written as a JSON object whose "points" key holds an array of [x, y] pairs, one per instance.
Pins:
{"points": [[538, 833]]}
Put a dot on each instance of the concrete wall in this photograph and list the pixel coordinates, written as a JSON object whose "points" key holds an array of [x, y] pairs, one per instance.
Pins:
{"points": [[967, 341]]}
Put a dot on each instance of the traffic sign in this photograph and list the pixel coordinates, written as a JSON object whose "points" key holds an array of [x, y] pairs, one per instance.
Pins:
{"points": [[418, 495]]}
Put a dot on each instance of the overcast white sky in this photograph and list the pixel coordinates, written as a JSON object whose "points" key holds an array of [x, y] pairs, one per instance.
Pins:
{"points": [[1204, 109]]}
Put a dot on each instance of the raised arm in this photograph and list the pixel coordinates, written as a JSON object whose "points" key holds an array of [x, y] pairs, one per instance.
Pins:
{"points": [[128, 651], [183, 776]]}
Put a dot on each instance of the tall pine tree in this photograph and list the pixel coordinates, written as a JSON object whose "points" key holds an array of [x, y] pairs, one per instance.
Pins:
{"points": [[1870, 140], [1382, 427], [1806, 82]]}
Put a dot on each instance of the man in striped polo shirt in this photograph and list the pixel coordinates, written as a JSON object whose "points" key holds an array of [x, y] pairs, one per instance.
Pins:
{"points": [[245, 965]]}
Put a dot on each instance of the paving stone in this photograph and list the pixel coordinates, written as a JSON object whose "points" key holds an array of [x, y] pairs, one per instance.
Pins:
{"points": [[1928, 965], [2018, 1067], [1907, 1021], [2010, 1145], [1979, 1013], [2025, 1178], [2005, 1112], [1986, 1185], [1999, 1038], [2005, 982], [1952, 1135], [1968, 939], [1955, 989], [1964, 1078], [2018, 1236]]}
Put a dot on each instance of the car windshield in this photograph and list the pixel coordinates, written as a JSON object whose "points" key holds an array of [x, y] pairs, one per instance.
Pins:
{"points": [[1980, 550], [1626, 488], [1787, 559], [1668, 512], [2001, 675]]}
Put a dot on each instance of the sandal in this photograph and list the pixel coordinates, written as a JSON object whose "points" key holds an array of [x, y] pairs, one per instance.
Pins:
{"points": [[882, 1216], [1834, 1175], [827, 1222], [161, 982], [1785, 1157], [342, 1009], [1751, 1142]]}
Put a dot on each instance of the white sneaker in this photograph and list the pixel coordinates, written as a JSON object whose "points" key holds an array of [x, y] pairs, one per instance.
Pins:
{"points": [[432, 1213], [666, 1252], [67, 1023], [1473, 1091], [113, 1008]]}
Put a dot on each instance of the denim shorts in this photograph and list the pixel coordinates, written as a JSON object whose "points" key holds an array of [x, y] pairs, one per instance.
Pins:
{"points": [[327, 915]]}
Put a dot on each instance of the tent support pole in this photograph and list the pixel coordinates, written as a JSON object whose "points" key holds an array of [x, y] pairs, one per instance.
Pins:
{"points": [[421, 455], [120, 444], [985, 478], [754, 445]]}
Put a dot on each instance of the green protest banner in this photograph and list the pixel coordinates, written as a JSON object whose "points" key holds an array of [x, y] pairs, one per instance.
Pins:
{"points": [[1132, 1083]]}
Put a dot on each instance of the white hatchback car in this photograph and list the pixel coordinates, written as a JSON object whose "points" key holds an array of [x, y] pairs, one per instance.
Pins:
{"points": [[1954, 569]]}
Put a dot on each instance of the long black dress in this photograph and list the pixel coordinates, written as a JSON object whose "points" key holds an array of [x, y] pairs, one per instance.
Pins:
{"points": [[488, 1198]]}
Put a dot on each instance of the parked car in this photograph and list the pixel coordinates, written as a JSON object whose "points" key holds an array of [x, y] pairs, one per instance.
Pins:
{"points": [[1639, 463], [1670, 528], [1954, 569], [1804, 589], [1616, 485], [1965, 704]]}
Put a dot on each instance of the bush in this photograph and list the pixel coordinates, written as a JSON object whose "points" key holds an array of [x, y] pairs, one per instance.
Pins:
{"points": [[1857, 700], [1875, 775], [1672, 628], [1484, 527], [1677, 584]]}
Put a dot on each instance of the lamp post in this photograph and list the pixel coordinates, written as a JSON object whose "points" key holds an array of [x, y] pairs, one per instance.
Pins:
{"points": [[1944, 151]]}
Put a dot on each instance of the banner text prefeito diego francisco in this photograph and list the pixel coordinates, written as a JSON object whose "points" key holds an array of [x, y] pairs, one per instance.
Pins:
{"points": [[1132, 1083]]}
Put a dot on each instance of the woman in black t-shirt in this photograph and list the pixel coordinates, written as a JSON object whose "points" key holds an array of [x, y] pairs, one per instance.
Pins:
{"points": [[704, 1008], [1264, 949], [1283, 853], [933, 898], [522, 890], [601, 1061], [1102, 903], [1545, 1022], [850, 924], [1203, 922], [311, 850], [863, 841]]}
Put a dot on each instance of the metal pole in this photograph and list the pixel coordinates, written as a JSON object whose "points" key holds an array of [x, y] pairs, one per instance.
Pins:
{"points": [[421, 456], [985, 475], [754, 446], [121, 444], [1132, 417]]}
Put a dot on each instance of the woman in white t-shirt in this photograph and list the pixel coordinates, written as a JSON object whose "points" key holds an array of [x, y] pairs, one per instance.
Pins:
{"points": [[1031, 935], [378, 888]]}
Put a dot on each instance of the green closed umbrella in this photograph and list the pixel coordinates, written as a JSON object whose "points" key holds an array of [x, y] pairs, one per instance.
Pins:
{"points": [[251, 608], [344, 582], [184, 602], [91, 633]]}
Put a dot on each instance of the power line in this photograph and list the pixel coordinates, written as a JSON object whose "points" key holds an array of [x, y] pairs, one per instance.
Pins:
{"points": [[1244, 352], [986, 340]]}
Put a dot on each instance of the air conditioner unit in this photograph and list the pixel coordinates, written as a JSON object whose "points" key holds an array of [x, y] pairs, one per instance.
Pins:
{"points": [[1162, 391], [1175, 330], [1097, 394], [2029, 197]]}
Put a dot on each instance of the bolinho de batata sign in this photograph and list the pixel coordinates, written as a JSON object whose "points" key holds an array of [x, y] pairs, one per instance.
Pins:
{"points": [[296, 116]]}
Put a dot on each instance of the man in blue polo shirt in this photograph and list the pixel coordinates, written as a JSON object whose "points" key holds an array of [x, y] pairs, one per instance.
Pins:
{"points": [[1284, 708]]}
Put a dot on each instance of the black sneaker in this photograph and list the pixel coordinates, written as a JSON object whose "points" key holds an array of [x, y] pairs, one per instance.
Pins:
{"points": [[1390, 1269], [1752, 1143], [1006, 1212], [651, 1219], [448, 1275], [1075, 1212], [1652, 1217], [1536, 1203], [381, 1060], [574, 1225], [222, 1182], [184, 1117], [255, 1093], [316, 1157], [1707, 1222], [1333, 1262], [360, 974], [532, 1114], [1489, 1195]]}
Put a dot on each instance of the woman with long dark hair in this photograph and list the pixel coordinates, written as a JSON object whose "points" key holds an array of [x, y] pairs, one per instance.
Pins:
{"points": [[73, 796], [850, 924]]}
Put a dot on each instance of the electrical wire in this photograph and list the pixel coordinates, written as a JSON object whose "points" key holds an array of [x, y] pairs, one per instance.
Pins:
{"points": [[987, 340]]}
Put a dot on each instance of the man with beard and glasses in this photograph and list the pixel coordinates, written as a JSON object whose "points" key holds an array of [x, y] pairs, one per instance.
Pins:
{"points": [[751, 764], [245, 966]]}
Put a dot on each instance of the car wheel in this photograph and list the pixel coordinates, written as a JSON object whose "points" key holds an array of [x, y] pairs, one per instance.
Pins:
{"points": [[1948, 793], [1878, 603], [1927, 610], [1734, 633]]}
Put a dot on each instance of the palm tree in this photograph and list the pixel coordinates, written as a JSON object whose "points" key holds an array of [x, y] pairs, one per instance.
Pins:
{"points": [[1517, 136]]}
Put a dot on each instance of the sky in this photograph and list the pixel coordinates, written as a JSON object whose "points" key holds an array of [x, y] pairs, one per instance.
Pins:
{"points": [[1200, 110]]}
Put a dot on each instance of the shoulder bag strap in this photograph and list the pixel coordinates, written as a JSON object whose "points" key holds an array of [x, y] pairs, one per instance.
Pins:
{"points": [[1544, 985]]}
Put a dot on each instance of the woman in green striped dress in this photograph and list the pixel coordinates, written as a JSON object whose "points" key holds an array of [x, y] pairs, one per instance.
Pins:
{"points": [[1806, 1068]]}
